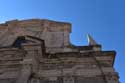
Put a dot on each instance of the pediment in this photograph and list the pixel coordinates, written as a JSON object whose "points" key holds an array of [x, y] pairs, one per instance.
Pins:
{"points": [[55, 34]]}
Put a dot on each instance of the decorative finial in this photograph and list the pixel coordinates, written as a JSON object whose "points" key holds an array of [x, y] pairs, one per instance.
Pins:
{"points": [[91, 41]]}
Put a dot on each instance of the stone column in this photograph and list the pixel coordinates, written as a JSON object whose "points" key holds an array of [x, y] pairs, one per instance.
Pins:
{"points": [[24, 74]]}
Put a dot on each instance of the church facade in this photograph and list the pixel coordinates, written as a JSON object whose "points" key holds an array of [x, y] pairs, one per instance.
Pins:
{"points": [[39, 51]]}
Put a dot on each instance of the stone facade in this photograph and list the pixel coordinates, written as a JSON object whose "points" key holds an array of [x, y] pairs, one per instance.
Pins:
{"points": [[39, 51]]}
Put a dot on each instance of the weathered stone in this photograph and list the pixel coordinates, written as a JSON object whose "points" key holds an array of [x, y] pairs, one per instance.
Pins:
{"points": [[39, 51]]}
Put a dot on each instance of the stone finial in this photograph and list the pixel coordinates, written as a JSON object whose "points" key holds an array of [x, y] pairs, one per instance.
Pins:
{"points": [[91, 41]]}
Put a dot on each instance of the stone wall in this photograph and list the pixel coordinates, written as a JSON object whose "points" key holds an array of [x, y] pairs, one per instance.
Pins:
{"points": [[47, 56], [55, 34]]}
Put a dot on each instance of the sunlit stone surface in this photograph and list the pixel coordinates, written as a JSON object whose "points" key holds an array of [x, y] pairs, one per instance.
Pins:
{"points": [[39, 51]]}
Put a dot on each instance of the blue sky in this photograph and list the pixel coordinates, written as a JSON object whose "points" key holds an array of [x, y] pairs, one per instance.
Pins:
{"points": [[103, 19]]}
